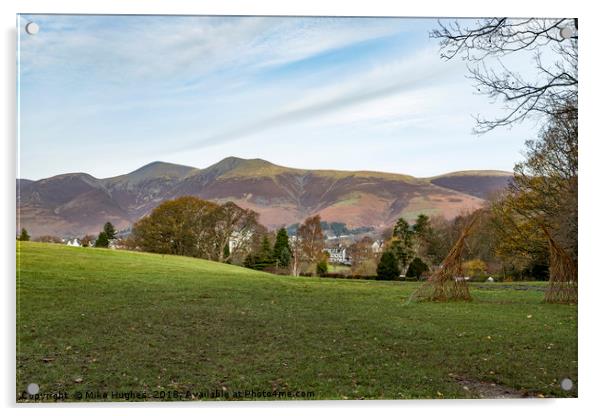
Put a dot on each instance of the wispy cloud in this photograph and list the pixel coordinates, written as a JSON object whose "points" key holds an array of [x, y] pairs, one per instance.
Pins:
{"points": [[402, 78], [127, 48], [131, 89]]}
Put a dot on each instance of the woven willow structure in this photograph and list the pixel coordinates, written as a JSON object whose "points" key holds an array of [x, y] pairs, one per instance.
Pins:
{"points": [[562, 287], [448, 282]]}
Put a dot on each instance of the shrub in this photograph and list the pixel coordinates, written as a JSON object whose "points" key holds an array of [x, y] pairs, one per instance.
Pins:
{"points": [[475, 268], [322, 268], [388, 268], [24, 236], [336, 275], [258, 262], [366, 267], [416, 269], [48, 239]]}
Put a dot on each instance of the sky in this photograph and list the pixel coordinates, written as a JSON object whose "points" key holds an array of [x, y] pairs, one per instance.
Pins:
{"points": [[106, 95]]}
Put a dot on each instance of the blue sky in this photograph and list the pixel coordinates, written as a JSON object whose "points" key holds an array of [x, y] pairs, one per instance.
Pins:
{"points": [[108, 94]]}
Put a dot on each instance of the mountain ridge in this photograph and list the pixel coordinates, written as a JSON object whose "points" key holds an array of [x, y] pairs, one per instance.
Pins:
{"points": [[492, 172], [71, 204]]}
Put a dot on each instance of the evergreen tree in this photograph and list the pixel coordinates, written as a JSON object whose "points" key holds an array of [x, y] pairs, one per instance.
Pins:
{"points": [[109, 230], [388, 267], [402, 244], [261, 260], [422, 225], [265, 253], [102, 240], [282, 250], [426, 242], [24, 236]]}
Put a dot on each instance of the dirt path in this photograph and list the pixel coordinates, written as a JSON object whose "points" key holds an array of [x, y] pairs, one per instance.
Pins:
{"points": [[488, 390]]}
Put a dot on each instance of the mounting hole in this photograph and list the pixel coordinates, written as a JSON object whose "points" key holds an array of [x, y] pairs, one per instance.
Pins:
{"points": [[32, 28], [33, 389], [566, 384], [567, 32]]}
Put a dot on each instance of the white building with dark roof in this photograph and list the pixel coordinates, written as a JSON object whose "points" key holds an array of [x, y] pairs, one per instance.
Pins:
{"points": [[377, 246], [338, 254]]}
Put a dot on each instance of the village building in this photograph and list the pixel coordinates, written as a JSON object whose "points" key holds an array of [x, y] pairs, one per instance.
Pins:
{"points": [[338, 254], [116, 244], [377, 246], [238, 239], [74, 242]]}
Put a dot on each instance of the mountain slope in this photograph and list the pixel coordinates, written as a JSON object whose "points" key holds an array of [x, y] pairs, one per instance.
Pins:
{"points": [[476, 183], [73, 204]]}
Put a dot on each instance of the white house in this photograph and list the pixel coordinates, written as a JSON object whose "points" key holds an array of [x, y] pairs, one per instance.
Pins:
{"points": [[338, 255], [238, 239], [74, 243], [377, 246]]}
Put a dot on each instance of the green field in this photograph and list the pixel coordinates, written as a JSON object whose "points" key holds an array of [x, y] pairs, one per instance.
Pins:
{"points": [[97, 320]]}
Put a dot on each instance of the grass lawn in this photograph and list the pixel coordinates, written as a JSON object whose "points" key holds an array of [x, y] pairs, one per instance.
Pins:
{"points": [[98, 320], [338, 268]]}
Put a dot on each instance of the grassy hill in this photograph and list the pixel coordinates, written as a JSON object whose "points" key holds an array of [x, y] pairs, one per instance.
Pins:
{"points": [[115, 321]]}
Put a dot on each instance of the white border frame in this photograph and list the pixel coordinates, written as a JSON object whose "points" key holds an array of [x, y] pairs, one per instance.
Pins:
{"points": [[589, 203]]}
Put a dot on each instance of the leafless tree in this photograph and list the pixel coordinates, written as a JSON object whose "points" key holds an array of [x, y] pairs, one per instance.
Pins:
{"points": [[311, 240], [553, 45], [296, 254]]}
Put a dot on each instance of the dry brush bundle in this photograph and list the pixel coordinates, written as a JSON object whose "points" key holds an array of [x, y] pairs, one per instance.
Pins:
{"points": [[562, 287], [448, 282]]}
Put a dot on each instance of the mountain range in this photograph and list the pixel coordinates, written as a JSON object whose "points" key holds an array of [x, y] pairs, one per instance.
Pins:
{"points": [[74, 204]]}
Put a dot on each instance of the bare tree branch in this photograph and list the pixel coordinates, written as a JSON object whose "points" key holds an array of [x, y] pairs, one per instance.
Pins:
{"points": [[495, 38]]}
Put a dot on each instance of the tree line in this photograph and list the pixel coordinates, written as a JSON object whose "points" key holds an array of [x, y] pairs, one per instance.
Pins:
{"points": [[190, 226], [106, 235]]}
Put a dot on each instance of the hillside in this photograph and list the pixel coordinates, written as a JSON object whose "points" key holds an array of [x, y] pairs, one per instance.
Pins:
{"points": [[77, 203], [107, 320], [481, 184]]}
